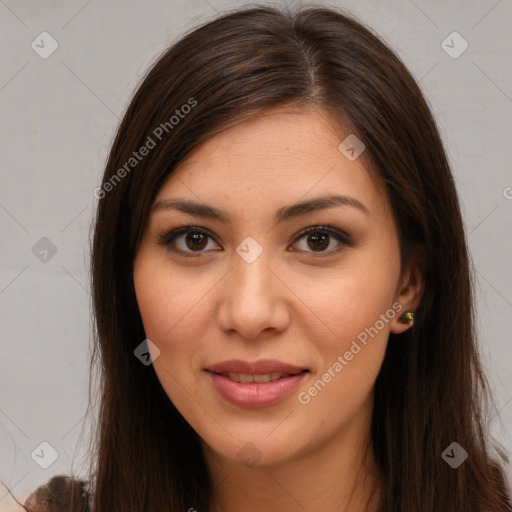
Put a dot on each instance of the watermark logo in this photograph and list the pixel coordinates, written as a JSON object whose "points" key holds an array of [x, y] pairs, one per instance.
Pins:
{"points": [[44, 455], [44, 250], [352, 147], [249, 455], [147, 352], [44, 45], [454, 455], [249, 250], [454, 45]]}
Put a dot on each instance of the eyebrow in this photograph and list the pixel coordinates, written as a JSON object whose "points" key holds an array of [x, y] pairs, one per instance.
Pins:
{"points": [[284, 213]]}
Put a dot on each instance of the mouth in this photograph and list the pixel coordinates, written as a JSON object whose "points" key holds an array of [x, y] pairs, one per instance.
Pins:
{"points": [[259, 378], [258, 384], [260, 367]]}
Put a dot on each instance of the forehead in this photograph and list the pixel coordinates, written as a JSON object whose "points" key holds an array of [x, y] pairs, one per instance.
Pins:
{"points": [[276, 157]]}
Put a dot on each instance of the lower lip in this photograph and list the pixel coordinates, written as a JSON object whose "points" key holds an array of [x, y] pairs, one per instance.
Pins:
{"points": [[256, 394]]}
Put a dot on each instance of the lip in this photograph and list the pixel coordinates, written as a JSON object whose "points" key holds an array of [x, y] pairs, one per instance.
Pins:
{"points": [[255, 394], [256, 368]]}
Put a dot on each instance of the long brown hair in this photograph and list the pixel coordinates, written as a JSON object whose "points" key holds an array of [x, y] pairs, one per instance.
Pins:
{"points": [[431, 389]]}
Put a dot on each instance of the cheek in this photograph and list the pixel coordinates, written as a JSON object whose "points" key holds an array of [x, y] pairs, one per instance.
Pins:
{"points": [[351, 354], [173, 316], [355, 299], [357, 306], [173, 306]]}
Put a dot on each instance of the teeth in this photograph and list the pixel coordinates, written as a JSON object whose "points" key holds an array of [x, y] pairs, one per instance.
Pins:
{"points": [[246, 378], [262, 378]]}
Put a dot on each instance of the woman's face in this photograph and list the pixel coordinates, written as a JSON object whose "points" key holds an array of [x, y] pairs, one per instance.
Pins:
{"points": [[251, 287]]}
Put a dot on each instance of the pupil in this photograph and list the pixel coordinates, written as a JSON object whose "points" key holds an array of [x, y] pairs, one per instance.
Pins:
{"points": [[320, 241], [196, 239]]}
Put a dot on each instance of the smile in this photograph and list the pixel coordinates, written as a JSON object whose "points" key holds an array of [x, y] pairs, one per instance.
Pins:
{"points": [[255, 390], [246, 378]]}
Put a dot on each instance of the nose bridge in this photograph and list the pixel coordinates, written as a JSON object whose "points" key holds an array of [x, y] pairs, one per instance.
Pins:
{"points": [[251, 279], [251, 301]]}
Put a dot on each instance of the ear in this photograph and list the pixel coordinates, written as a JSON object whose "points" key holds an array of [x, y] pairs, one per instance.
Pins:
{"points": [[409, 294]]}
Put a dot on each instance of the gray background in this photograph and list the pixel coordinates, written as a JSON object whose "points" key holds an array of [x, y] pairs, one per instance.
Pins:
{"points": [[58, 117]]}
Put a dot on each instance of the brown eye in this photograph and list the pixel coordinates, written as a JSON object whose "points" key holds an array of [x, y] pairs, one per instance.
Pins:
{"points": [[196, 241], [318, 241], [187, 240], [319, 238]]}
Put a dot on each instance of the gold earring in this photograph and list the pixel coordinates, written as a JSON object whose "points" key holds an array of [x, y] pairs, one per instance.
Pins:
{"points": [[408, 318]]}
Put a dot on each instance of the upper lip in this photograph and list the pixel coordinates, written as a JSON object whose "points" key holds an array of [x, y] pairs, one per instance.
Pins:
{"points": [[261, 367]]}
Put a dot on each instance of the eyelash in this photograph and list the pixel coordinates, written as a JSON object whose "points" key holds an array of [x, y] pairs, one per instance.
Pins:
{"points": [[167, 238]]}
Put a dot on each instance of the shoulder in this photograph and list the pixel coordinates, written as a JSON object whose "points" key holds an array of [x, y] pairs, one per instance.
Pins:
{"points": [[59, 494]]}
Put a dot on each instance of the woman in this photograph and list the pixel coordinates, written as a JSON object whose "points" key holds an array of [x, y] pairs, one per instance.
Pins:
{"points": [[278, 233]]}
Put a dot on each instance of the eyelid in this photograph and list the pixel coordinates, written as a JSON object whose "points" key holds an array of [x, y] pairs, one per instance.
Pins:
{"points": [[166, 238], [335, 232], [170, 234]]}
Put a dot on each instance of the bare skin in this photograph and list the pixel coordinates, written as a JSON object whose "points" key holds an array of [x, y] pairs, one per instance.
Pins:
{"points": [[296, 302]]}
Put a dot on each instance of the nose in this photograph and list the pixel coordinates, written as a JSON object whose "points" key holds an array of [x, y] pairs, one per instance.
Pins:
{"points": [[253, 299]]}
